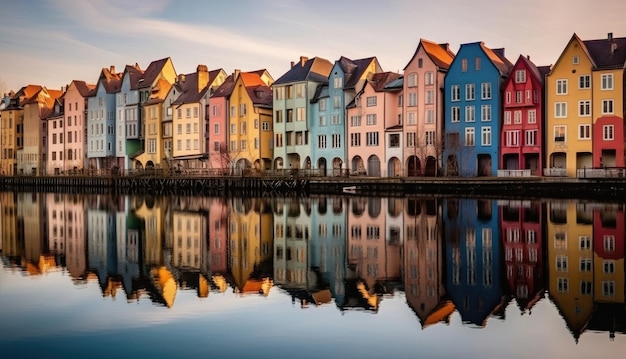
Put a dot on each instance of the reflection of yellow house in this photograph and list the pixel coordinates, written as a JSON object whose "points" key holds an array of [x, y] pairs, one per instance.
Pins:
{"points": [[153, 112], [8, 211], [153, 217], [166, 285], [570, 256], [250, 246], [189, 237], [250, 125]]}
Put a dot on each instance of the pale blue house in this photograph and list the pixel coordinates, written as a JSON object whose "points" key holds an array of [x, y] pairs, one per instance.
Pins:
{"points": [[101, 120], [473, 110], [127, 113]]}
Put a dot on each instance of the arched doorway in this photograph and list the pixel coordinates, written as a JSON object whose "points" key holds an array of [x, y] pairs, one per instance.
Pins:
{"points": [[484, 165], [373, 166], [358, 167], [452, 166], [321, 164], [394, 167], [414, 166], [150, 166], [278, 163], [431, 166], [138, 165], [337, 165]]}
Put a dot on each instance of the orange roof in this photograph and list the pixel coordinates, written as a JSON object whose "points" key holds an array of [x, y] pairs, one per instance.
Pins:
{"points": [[438, 314], [251, 79], [442, 57]]}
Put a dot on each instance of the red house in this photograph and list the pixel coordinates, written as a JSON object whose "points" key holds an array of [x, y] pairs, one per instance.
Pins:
{"points": [[521, 145]]}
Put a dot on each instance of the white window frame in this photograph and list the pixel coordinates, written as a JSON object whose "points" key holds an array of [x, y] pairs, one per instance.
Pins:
{"points": [[608, 107], [561, 87], [584, 108], [608, 132], [470, 92], [606, 82], [560, 110], [584, 131]]}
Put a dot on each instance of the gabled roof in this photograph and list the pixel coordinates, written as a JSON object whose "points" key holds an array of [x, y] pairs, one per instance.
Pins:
{"points": [[159, 92], [47, 98], [111, 81], [135, 74], [354, 69], [440, 54], [380, 80], [151, 73], [497, 58], [609, 53], [532, 67], [395, 85], [84, 89], [187, 86], [321, 91], [316, 69], [24, 94], [575, 38], [260, 94], [226, 88]]}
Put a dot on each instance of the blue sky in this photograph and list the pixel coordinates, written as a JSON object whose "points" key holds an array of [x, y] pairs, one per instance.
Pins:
{"points": [[52, 42]]}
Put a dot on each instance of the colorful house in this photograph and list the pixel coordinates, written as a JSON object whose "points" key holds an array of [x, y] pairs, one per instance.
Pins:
{"points": [[473, 100], [75, 101], [12, 122], [127, 113], [154, 109], [101, 121], [423, 108], [31, 158], [585, 107], [55, 149], [521, 145], [608, 254], [373, 113], [219, 156], [346, 79], [190, 119], [292, 107], [250, 122]]}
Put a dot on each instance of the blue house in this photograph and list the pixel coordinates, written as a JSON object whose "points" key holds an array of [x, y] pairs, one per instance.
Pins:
{"points": [[101, 120], [328, 133], [472, 242], [473, 110]]}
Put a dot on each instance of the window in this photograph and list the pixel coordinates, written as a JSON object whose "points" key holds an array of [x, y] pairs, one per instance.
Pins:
{"points": [[243, 128], [485, 112], [420, 63], [280, 93], [289, 91], [265, 126], [561, 87], [410, 139], [355, 139], [233, 111], [485, 90], [531, 137], [520, 76], [371, 119], [394, 140], [470, 114], [456, 114], [455, 91], [355, 121], [278, 116], [300, 114], [507, 117], [243, 144], [562, 285], [412, 80], [486, 136], [195, 112], [470, 93], [412, 99], [464, 65], [336, 141], [609, 243], [608, 266], [508, 97], [608, 288], [559, 133], [430, 138], [233, 128], [477, 63], [584, 132], [607, 107], [469, 136], [517, 117], [560, 109], [429, 78], [300, 90], [371, 101], [335, 120], [337, 82], [518, 96], [561, 263], [584, 264], [607, 132], [429, 97], [321, 141], [322, 104], [575, 60], [584, 82], [512, 138], [607, 82], [430, 116], [188, 112], [532, 116], [290, 115], [371, 139], [584, 108]]}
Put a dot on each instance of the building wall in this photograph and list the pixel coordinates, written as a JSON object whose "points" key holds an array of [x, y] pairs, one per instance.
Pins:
{"points": [[218, 133], [29, 158], [11, 120], [56, 148], [608, 128], [75, 108]]}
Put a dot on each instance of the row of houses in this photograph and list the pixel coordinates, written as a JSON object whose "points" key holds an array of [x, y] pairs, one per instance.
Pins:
{"points": [[470, 113]]}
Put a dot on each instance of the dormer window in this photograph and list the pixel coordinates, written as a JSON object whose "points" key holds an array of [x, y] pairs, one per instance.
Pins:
{"points": [[575, 60], [520, 76]]}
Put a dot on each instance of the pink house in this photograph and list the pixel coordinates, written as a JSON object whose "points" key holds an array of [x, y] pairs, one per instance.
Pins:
{"points": [[423, 107], [218, 124], [75, 106], [367, 115]]}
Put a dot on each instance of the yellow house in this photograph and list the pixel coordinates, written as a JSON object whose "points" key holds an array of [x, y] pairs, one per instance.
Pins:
{"points": [[12, 131], [250, 122], [154, 109], [570, 262], [584, 107]]}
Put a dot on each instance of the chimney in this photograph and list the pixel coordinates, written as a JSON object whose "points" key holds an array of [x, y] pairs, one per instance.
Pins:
{"points": [[445, 46], [236, 74], [112, 69], [303, 60], [292, 64], [203, 76], [610, 36], [528, 57], [499, 52], [181, 78]]}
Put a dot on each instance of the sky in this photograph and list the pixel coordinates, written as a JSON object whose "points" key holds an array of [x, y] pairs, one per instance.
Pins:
{"points": [[52, 42]]}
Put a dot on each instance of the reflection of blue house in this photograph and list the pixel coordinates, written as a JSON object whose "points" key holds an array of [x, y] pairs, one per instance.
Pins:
{"points": [[102, 245], [472, 257], [328, 127], [328, 243], [472, 110]]}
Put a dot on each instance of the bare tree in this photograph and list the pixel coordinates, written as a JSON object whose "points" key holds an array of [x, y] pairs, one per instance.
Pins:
{"points": [[3, 87]]}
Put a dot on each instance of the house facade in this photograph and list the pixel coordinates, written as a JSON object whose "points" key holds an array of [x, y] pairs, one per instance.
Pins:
{"points": [[75, 102], [423, 108], [154, 110], [219, 111], [521, 145], [293, 114], [473, 123], [101, 121], [127, 113]]}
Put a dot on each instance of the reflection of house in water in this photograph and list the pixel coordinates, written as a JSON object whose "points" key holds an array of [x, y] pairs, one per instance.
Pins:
{"points": [[12, 229], [570, 262], [250, 247], [472, 258], [522, 241], [189, 253], [102, 244], [423, 263], [31, 212], [66, 232]]}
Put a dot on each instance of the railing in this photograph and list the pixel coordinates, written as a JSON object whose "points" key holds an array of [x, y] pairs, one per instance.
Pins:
{"points": [[605, 172], [514, 173], [555, 172]]}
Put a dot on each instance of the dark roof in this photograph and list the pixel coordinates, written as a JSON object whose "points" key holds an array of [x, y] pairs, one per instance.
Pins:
{"points": [[111, 81], [395, 85], [84, 89], [381, 79], [607, 53], [260, 94], [226, 88], [544, 70], [320, 92], [135, 74], [354, 69], [188, 89], [316, 69], [497, 58], [151, 73], [533, 68]]}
